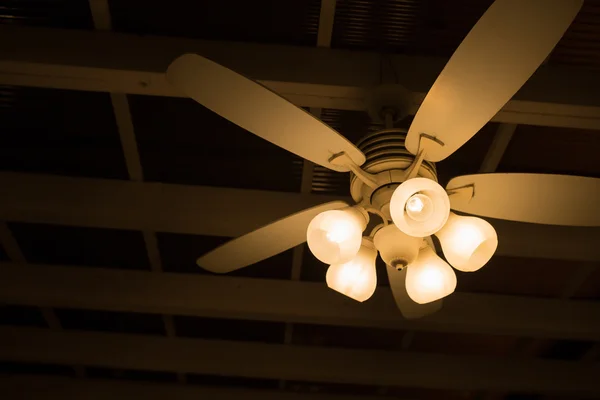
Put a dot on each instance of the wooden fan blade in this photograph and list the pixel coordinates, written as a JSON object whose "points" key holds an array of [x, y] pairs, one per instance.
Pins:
{"points": [[257, 109], [536, 198], [408, 308], [265, 242], [510, 41]]}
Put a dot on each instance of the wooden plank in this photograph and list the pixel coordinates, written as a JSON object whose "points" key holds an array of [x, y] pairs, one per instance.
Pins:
{"points": [[33, 387], [288, 301], [501, 140], [204, 210], [313, 77], [316, 364]]}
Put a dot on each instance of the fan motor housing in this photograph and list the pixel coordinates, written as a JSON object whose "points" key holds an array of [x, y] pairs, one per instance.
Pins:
{"points": [[387, 156]]}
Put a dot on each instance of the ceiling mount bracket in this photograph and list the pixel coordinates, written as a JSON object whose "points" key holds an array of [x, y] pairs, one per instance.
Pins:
{"points": [[389, 102]]}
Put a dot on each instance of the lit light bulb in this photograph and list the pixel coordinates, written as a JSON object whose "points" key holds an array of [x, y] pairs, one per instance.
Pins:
{"points": [[429, 278], [356, 278], [468, 242], [335, 236], [419, 207]]}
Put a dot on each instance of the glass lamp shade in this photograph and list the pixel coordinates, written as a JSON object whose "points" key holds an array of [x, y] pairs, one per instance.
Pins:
{"points": [[419, 207], [335, 236], [395, 247], [429, 278], [468, 242], [356, 278]]}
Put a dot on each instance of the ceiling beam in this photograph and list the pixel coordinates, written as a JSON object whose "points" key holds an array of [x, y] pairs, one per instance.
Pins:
{"points": [[18, 387], [287, 301], [204, 210], [315, 364], [496, 151], [311, 77]]}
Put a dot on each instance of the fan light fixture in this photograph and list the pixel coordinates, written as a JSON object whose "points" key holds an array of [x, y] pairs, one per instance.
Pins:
{"points": [[467, 242], [419, 207], [429, 278], [356, 278], [335, 236], [393, 174]]}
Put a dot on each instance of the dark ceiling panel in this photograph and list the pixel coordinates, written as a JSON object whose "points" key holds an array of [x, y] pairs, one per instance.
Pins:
{"points": [[48, 13], [519, 276], [553, 150], [229, 329], [63, 132], [462, 343], [21, 316], [3, 255], [580, 46], [333, 388], [568, 350], [110, 321], [78, 246], [264, 21], [7, 367], [347, 336], [432, 27], [179, 253], [131, 375], [232, 381], [590, 289], [181, 141]]}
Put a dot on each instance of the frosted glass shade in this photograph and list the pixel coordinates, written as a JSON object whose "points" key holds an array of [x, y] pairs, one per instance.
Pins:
{"points": [[429, 278], [395, 247], [419, 207], [356, 278], [468, 242], [335, 236]]}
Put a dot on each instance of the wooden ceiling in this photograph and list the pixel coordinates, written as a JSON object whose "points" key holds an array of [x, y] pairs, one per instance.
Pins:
{"points": [[111, 185]]}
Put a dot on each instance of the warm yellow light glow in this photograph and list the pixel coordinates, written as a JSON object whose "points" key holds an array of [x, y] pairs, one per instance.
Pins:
{"points": [[468, 242], [429, 278], [419, 207], [415, 204], [356, 278], [335, 236]]}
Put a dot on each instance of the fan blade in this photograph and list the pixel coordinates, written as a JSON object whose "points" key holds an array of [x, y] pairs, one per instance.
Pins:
{"points": [[510, 41], [264, 242], [535, 198], [408, 308], [257, 109]]}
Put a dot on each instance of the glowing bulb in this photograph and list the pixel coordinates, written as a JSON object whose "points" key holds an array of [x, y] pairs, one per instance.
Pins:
{"points": [[429, 278], [419, 207], [468, 242], [356, 278], [335, 236]]}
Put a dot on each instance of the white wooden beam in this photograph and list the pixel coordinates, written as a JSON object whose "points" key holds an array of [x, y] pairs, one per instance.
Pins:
{"points": [[326, 19], [316, 364], [288, 301], [499, 145], [215, 211], [18, 387], [313, 77]]}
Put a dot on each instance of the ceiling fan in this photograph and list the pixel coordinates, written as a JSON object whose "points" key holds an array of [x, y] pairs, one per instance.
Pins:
{"points": [[393, 175]]}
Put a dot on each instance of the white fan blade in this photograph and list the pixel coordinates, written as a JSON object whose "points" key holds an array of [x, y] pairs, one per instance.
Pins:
{"points": [[535, 198], [510, 41], [264, 242], [257, 109], [408, 308]]}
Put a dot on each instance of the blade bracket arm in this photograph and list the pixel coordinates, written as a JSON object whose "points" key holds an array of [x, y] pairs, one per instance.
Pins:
{"points": [[463, 190], [342, 159]]}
